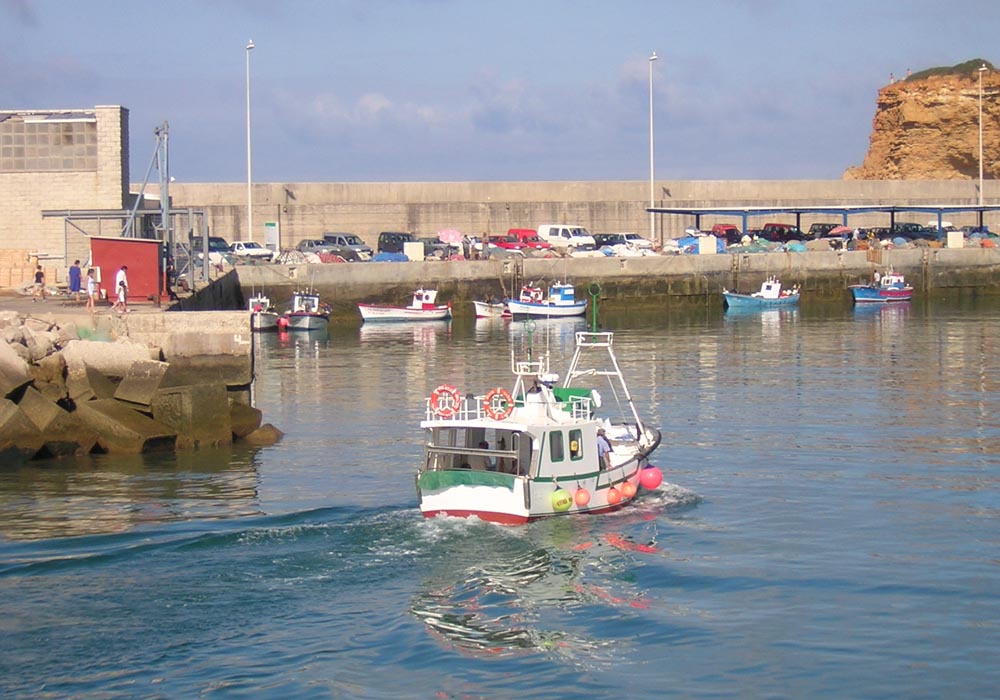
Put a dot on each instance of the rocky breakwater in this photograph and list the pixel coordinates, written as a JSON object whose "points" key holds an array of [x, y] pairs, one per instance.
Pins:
{"points": [[63, 395]]}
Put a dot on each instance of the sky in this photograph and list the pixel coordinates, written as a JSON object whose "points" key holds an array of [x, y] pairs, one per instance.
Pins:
{"points": [[481, 90]]}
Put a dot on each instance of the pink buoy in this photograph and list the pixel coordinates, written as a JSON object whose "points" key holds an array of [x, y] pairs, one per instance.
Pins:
{"points": [[628, 489], [282, 322], [651, 477], [581, 497], [614, 496]]}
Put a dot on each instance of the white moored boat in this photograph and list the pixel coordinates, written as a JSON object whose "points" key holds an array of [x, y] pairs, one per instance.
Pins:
{"points": [[263, 317], [491, 309], [514, 456], [306, 313], [422, 308], [561, 301]]}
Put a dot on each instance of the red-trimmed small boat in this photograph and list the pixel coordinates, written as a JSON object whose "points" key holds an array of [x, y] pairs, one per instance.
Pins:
{"points": [[535, 451], [305, 313], [891, 287], [422, 308], [491, 309]]}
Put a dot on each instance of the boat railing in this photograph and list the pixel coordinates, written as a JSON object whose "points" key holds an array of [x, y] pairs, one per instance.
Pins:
{"points": [[471, 408], [591, 339]]}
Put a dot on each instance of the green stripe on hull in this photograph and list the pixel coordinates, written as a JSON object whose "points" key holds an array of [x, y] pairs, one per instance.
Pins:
{"points": [[434, 481]]}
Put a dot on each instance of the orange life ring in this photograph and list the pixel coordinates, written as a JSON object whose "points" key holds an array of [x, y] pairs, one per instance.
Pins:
{"points": [[498, 404], [445, 401]]}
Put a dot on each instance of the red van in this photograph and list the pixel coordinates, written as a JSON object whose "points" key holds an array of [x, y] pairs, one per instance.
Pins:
{"points": [[529, 238]]}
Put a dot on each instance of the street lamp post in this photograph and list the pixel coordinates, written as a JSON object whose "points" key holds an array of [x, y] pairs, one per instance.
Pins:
{"points": [[249, 170], [982, 69], [652, 220]]}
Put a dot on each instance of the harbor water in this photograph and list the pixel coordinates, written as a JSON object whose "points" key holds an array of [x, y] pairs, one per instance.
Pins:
{"points": [[829, 527]]}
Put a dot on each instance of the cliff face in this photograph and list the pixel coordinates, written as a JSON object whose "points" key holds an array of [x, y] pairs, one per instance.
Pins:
{"points": [[928, 129]]}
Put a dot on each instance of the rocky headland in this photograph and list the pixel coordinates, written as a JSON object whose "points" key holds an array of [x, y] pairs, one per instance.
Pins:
{"points": [[926, 126]]}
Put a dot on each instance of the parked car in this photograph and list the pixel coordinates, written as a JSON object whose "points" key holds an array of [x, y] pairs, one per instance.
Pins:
{"points": [[730, 233], [392, 241], [602, 240], [348, 242], [218, 249], [314, 245], [781, 233], [435, 247], [507, 242], [820, 229], [567, 237], [251, 250], [637, 241], [529, 237]]}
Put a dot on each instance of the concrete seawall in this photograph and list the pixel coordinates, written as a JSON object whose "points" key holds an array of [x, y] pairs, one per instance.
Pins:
{"points": [[661, 280]]}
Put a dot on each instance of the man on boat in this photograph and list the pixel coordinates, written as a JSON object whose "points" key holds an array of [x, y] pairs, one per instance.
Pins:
{"points": [[603, 449]]}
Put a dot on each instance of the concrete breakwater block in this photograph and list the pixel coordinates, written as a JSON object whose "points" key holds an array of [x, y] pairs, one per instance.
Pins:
{"points": [[123, 429], [14, 372], [20, 439], [63, 432], [199, 414], [244, 419], [141, 382]]}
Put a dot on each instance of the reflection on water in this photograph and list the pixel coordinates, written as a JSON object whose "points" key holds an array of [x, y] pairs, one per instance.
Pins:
{"points": [[424, 334], [101, 494], [548, 588]]}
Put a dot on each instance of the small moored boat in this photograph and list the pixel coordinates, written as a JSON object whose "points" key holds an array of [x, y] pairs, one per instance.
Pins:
{"points": [[561, 301], [539, 449], [769, 294], [491, 309], [306, 312], [263, 316], [890, 287], [422, 308]]}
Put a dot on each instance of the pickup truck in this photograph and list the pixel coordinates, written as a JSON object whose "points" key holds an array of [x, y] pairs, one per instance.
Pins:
{"points": [[251, 250], [567, 237]]}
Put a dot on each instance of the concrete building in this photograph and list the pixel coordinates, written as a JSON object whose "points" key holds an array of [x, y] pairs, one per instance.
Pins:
{"points": [[70, 159]]}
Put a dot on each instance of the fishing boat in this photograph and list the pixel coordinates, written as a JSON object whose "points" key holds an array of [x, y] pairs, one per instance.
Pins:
{"points": [[561, 301], [263, 316], [890, 287], [539, 449], [306, 312], [491, 309], [423, 307], [770, 294]]}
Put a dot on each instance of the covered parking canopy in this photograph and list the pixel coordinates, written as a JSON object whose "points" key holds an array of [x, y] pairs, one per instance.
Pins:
{"points": [[843, 211]]}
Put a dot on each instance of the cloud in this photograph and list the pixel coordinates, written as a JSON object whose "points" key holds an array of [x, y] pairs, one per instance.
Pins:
{"points": [[21, 11]]}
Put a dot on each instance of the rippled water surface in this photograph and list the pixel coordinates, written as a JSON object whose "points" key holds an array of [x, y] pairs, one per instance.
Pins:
{"points": [[828, 528]]}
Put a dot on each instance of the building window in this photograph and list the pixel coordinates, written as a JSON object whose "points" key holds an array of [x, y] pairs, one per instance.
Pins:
{"points": [[47, 145]]}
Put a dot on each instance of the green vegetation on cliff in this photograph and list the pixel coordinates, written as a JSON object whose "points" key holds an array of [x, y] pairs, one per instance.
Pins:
{"points": [[966, 68]]}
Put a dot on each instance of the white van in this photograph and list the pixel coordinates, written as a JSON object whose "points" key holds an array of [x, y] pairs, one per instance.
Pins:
{"points": [[567, 237]]}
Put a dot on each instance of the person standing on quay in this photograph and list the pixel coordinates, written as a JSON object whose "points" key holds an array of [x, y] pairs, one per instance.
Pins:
{"points": [[91, 291], [121, 289], [74, 280], [39, 283]]}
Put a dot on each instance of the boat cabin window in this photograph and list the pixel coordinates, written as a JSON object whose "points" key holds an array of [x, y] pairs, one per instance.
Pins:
{"points": [[556, 451], [478, 449], [576, 444]]}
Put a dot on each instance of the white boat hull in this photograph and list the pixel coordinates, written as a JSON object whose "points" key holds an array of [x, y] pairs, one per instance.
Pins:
{"points": [[514, 500], [263, 321], [485, 309], [306, 322], [522, 308], [375, 312]]}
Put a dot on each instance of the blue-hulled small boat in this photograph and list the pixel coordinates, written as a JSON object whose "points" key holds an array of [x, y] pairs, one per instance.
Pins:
{"points": [[561, 301], [770, 294], [890, 287]]}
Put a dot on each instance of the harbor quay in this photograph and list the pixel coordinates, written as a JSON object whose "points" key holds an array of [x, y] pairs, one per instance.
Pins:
{"points": [[658, 280]]}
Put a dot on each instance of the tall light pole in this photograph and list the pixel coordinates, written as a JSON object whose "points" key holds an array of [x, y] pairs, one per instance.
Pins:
{"points": [[652, 220], [982, 69], [249, 169]]}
